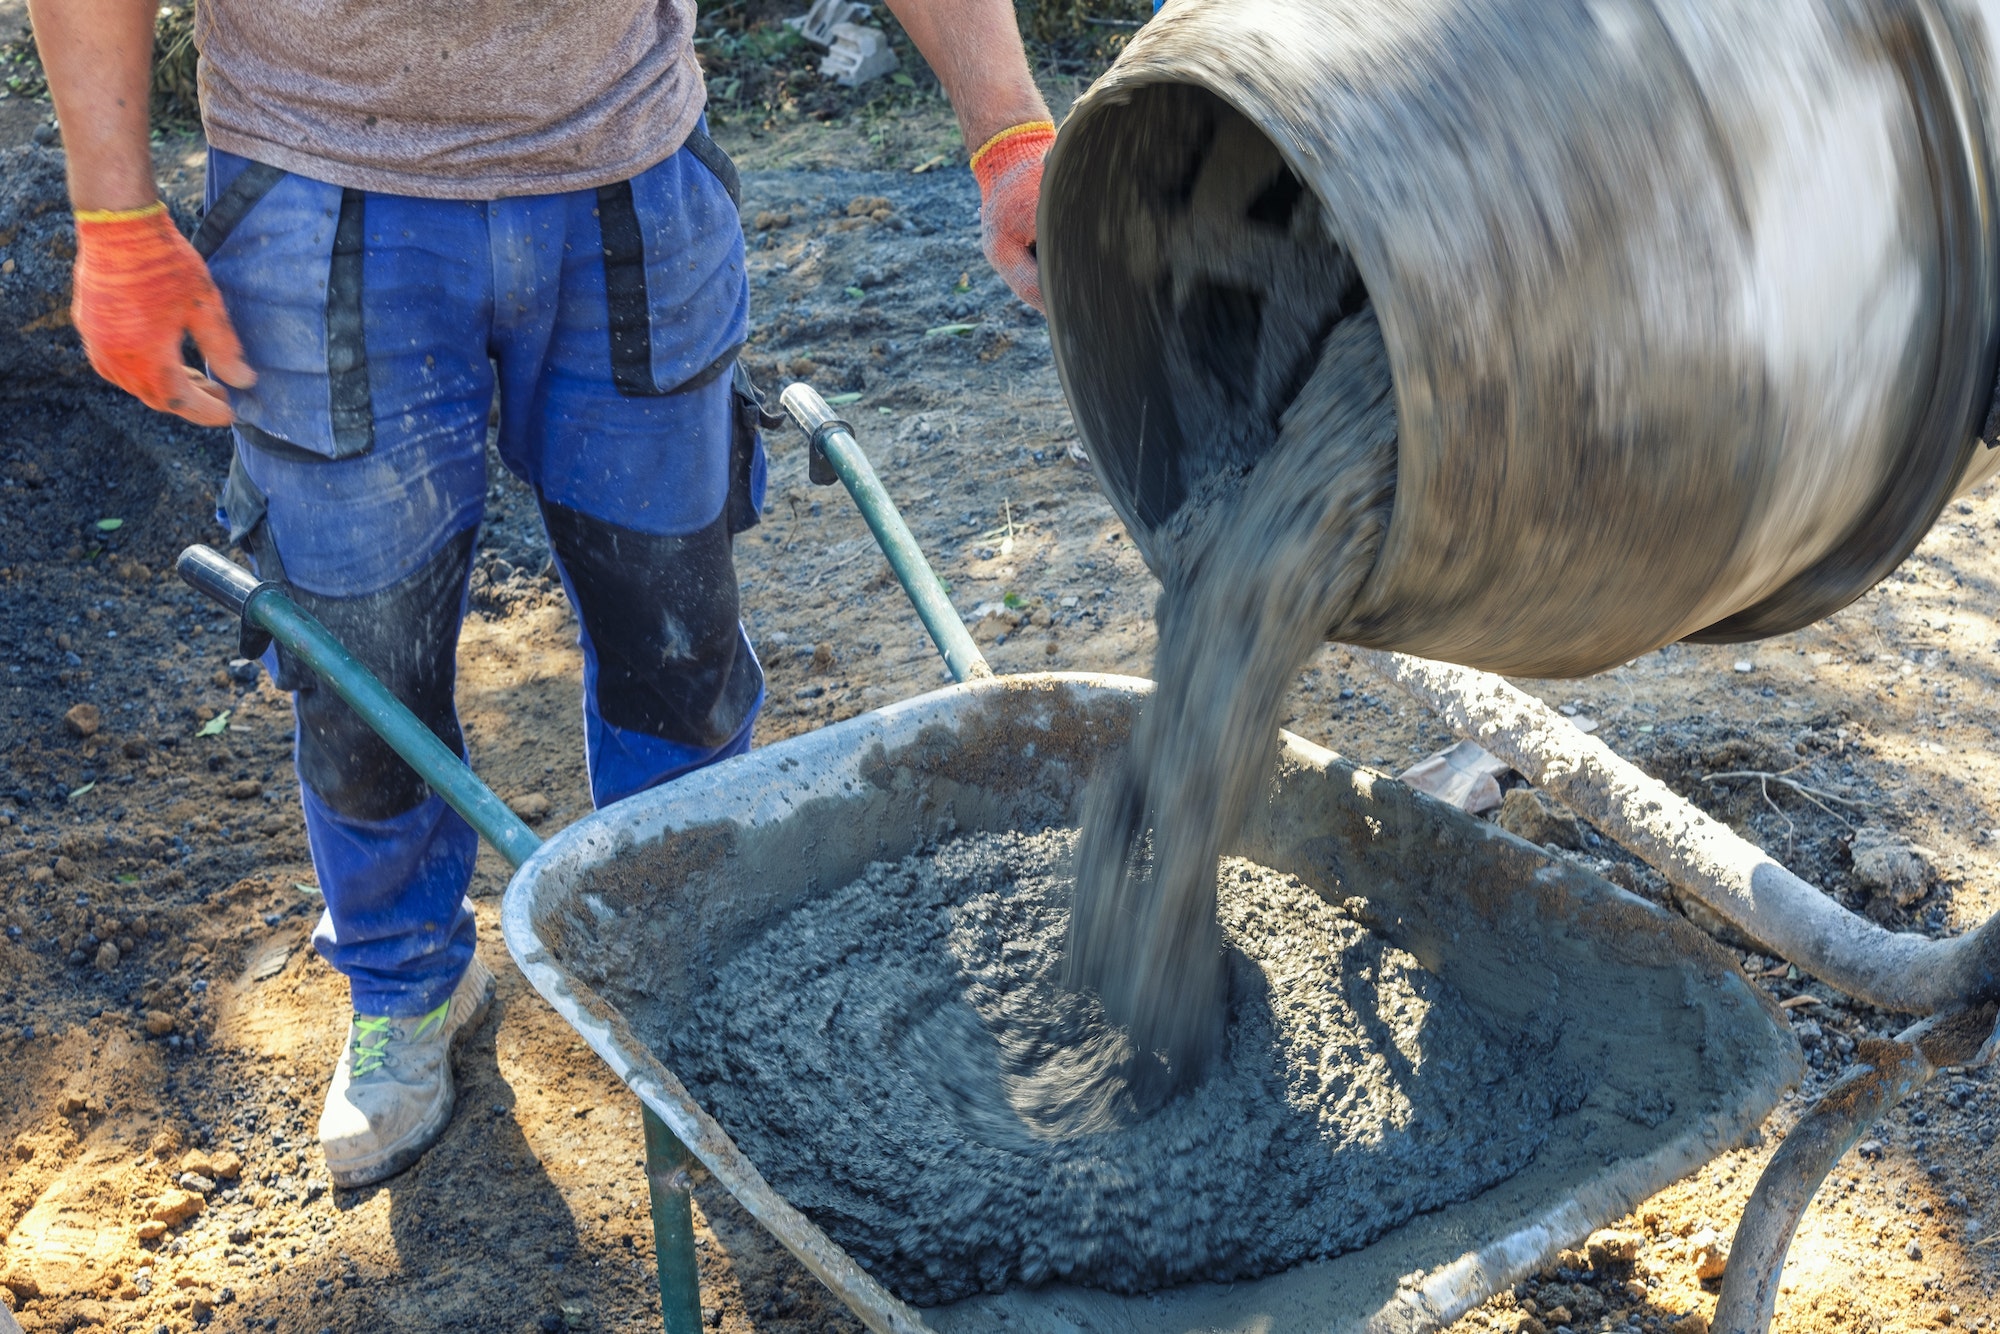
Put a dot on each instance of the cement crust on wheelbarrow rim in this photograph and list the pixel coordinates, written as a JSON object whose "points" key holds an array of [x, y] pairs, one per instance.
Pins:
{"points": [[1619, 980]]}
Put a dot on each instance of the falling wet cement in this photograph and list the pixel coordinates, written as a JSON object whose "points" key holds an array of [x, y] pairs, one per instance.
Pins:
{"points": [[881, 1055], [1264, 566]]}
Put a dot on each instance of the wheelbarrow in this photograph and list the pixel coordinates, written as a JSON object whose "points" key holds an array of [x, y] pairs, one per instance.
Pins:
{"points": [[633, 908]]}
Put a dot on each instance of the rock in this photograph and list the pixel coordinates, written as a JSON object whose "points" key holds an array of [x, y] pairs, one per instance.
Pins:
{"points": [[240, 1234], [533, 807], [67, 870], [767, 221], [1558, 1315], [83, 719], [1694, 1322], [1914, 1250], [197, 1183], [1710, 1256], [1714, 924], [152, 1230], [159, 1023], [135, 748], [107, 957], [1612, 1249], [243, 790], [1524, 1324], [1893, 870], [176, 1206], [1529, 813], [225, 1165], [22, 1284], [867, 206]]}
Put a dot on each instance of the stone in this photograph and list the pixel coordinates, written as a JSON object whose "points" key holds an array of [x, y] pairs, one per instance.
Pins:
{"points": [[83, 719], [107, 957], [197, 1183], [243, 790], [67, 870], [1712, 923], [1710, 1256], [152, 1230], [226, 1165], [1532, 814], [532, 807], [1612, 1249], [176, 1207], [1893, 870], [1694, 1322], [159, 1023]]}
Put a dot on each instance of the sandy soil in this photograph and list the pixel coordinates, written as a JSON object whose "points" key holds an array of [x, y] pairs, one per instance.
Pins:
{"points": [[176, 1074]]}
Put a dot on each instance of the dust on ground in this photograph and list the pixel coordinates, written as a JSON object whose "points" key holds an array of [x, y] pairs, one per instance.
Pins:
{"points": [[138, 1079]]}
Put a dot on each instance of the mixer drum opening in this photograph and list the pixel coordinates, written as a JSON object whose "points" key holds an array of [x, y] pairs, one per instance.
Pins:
{"points": [[1211, 275]]}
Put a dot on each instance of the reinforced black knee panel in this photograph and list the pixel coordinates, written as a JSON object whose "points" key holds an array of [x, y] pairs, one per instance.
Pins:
{"points": [[407, 634], [662, 615]]}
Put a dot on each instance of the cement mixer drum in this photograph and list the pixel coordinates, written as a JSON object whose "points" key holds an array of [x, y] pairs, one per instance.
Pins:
{"points": [[1690, 304]]}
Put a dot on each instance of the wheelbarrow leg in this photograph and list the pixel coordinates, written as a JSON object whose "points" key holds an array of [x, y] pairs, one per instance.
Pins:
{"points": [[672, 1188]]}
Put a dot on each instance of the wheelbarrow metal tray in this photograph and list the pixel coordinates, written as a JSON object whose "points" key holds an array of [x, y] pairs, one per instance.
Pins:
{"points": [[645, 900]]}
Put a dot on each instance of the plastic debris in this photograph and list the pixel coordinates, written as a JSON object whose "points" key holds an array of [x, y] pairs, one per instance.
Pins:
{"points": [[857, 55], [816, 25], [1464, 775]]}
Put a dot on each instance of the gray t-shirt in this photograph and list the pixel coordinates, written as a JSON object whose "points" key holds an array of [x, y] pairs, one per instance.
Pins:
{"points": [[450, 99]]}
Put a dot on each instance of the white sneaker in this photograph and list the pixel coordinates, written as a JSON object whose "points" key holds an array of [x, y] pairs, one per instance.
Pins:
{"points": [[392, 1093]]}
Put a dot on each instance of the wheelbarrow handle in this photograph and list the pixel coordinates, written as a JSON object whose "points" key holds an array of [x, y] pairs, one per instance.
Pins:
{"points": [[220, 579], [833, 443], [267, 610]]}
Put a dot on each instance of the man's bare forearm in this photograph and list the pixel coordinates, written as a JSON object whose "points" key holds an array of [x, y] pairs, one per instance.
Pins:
{"points": [[99, 59], [975, 47]]}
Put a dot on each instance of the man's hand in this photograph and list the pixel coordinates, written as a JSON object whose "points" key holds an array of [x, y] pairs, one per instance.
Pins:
{"points": [[975, 47], [140, 287], [140, 290], [1008, 168]]}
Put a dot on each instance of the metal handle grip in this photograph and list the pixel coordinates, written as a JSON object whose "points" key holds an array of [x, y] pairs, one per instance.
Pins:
{"points": [[834, 440], [209, 572], [812, 415]]}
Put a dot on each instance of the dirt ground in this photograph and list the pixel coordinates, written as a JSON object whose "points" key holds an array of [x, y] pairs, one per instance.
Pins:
{"points": [[165, 1029]]}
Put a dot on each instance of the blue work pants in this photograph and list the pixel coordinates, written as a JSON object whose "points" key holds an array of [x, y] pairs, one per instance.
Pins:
{"points": [[383, 328]]}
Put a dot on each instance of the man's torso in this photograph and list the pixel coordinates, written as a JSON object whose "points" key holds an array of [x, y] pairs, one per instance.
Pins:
{"points": [[469, 100]]}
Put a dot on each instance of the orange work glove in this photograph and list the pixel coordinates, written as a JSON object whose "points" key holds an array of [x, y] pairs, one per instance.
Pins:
{"points": [[1008, 168], [140, 290]]}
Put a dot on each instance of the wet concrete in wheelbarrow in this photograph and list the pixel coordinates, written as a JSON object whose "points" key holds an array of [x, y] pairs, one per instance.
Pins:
{"points": [[883, 1054]]}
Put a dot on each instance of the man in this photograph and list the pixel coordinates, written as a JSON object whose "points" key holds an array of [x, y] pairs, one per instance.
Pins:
{"points": [[413, 207]]}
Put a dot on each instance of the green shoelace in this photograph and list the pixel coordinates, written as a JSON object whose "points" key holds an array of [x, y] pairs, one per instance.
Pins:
{"points": [[372, 1034]]}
